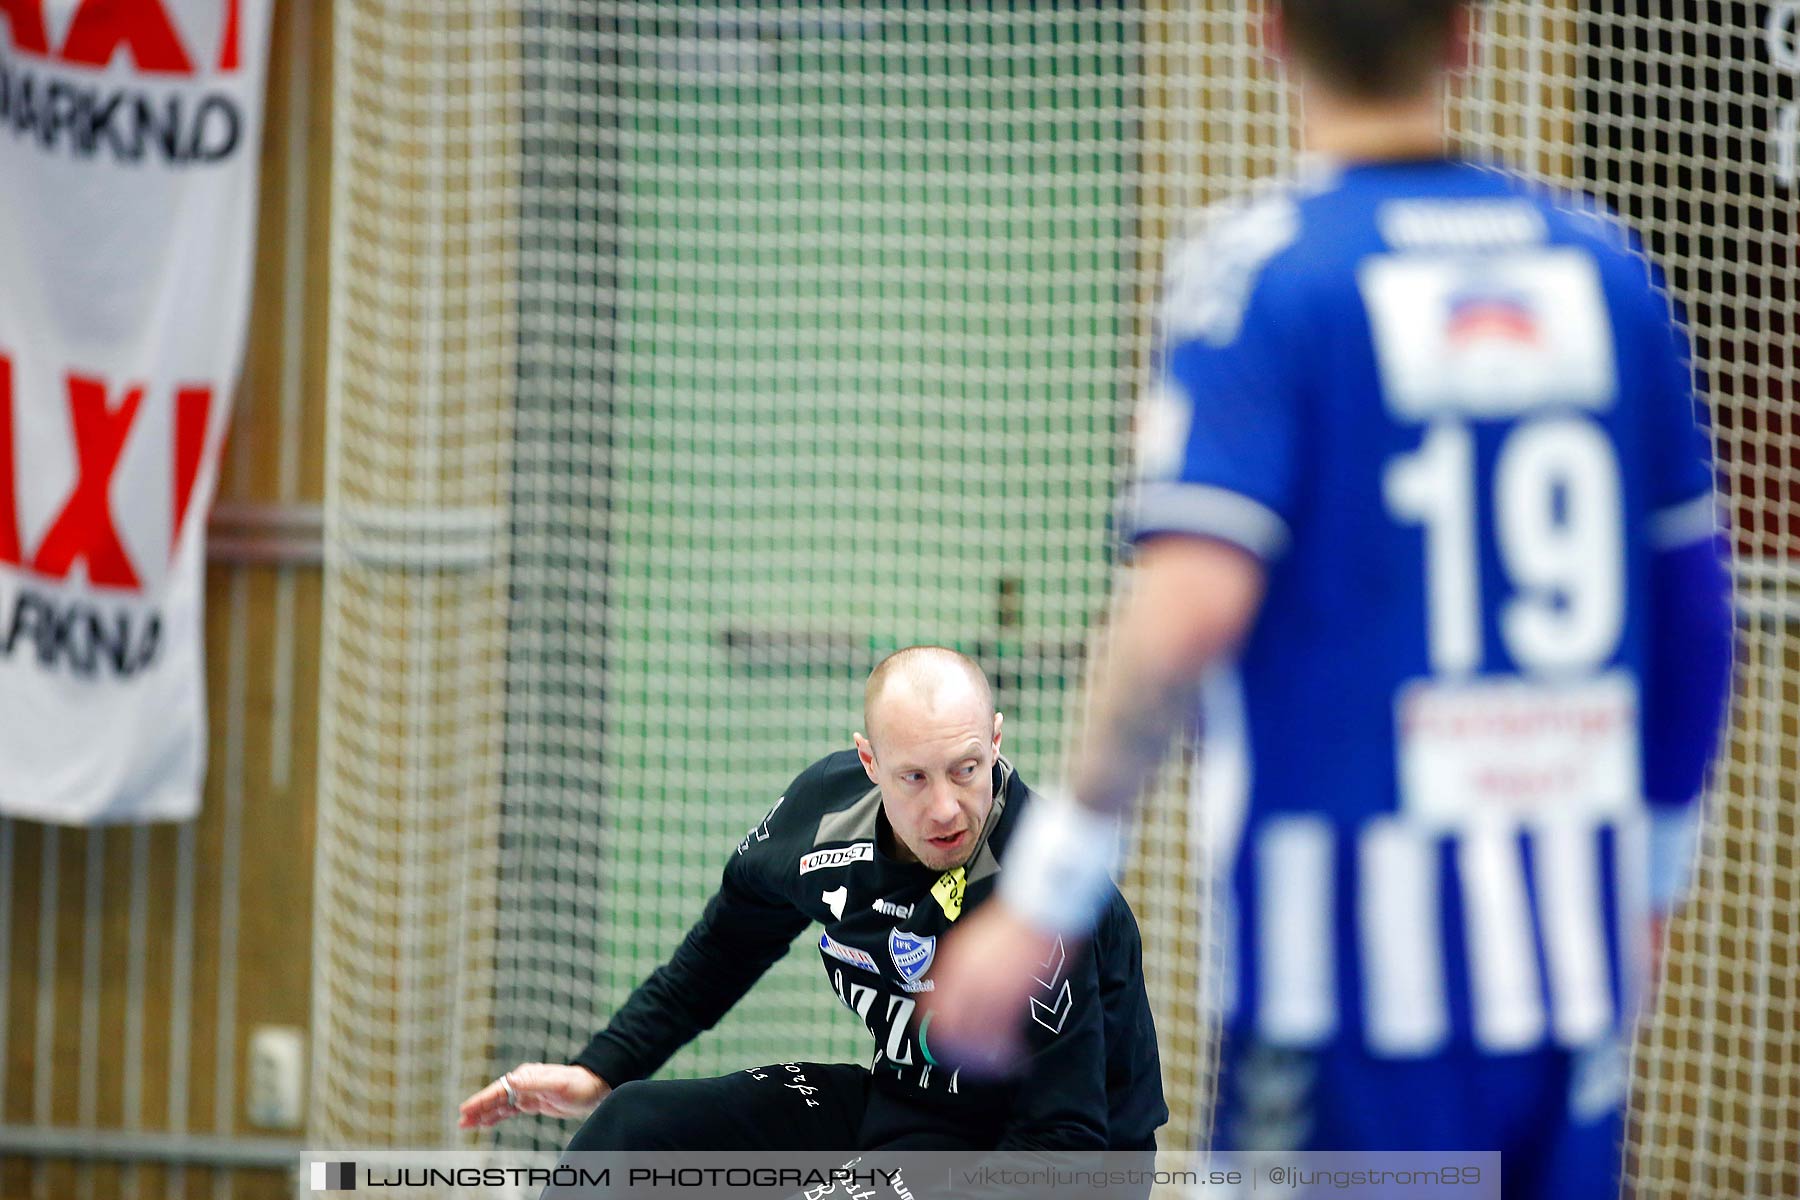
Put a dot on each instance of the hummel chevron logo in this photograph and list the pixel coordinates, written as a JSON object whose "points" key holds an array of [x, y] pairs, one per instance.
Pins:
{"points": [[1054, 1011], [1050, 971]]}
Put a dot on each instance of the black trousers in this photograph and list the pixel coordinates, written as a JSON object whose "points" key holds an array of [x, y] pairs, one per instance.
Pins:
{"points": [[794, 1107], [788, 1106]]}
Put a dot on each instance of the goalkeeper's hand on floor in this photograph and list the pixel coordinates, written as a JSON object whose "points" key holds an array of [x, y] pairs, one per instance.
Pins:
{"points": [[543, 1089]]}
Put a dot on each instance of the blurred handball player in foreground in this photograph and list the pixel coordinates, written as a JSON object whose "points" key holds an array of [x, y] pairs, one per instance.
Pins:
{"points": [[1425, 532]]}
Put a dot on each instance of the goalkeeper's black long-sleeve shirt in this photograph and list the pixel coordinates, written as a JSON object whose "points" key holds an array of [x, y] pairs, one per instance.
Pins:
{"points": [[824, 854]]}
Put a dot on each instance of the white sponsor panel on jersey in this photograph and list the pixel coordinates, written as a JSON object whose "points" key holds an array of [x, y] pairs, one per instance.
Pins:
{"points": [[1486, 336], [127, 222], [1474, 750], [837, 856]]}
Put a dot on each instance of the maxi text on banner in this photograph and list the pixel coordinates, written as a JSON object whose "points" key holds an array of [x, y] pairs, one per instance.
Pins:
{"points": [[129, 135]]}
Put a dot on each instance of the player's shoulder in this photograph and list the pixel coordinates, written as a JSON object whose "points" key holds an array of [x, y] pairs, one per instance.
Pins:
{"points": [[1278, 245], [1456, 205], [1266, 216], [828, 785], [1117, 930], [832, 783], [1630, 276], [811, 804], [1456, 208], [1627, 272], [1216, 259], [1486, 207]]}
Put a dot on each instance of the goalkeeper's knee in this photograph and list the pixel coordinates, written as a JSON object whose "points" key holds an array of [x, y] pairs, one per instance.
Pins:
{"points": [[633, 1117]]}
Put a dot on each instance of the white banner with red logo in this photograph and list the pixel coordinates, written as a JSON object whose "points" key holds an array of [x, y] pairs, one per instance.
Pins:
{"points": [[129, 136]]}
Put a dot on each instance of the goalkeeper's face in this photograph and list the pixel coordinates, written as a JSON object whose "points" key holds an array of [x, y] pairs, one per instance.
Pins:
{"points": [[933, 760]]}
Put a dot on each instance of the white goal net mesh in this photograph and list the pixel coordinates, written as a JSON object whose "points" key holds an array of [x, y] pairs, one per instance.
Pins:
{"points": [[689, 356]]}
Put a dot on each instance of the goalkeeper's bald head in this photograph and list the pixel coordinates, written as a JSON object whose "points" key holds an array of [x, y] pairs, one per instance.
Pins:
{"points": [[936, 675]]}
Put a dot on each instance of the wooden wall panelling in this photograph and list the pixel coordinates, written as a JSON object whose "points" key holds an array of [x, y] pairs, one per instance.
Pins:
{"points": [[143, 957]]}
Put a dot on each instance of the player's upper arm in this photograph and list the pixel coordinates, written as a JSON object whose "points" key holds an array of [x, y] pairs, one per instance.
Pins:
{"points": [[1192, 601], [1687, 671], [1218, 434], [1678, 451], [762, 864], [745, 927]]}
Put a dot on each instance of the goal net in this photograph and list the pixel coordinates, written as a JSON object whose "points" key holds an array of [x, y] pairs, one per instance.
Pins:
{"points": [[686, 357]]}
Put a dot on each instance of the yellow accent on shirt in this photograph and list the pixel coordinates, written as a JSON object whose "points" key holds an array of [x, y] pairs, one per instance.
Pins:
{"points": [[948, 892]]}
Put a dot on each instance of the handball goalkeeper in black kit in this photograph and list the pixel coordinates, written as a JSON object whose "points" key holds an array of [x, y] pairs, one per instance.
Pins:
{"points": [[884, 847]]}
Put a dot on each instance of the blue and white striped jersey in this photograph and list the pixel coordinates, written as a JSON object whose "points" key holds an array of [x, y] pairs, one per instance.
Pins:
{"points": [[1453, 417]]}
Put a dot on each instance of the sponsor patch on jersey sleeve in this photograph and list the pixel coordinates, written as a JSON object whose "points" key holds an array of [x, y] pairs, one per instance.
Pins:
{"points": [[850, 954]]}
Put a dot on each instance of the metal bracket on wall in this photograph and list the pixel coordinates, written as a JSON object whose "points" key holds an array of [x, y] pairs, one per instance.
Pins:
{"points": [[283, 535], [121, 1145], [275, 535]]}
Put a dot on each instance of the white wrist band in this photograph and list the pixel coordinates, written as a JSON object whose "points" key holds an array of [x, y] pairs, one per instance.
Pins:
{"points": [[1056, 869]]}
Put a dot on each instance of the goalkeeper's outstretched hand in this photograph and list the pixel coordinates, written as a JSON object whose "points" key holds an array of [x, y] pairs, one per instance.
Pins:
{"points": [[544, 1089], [984, 978]]}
